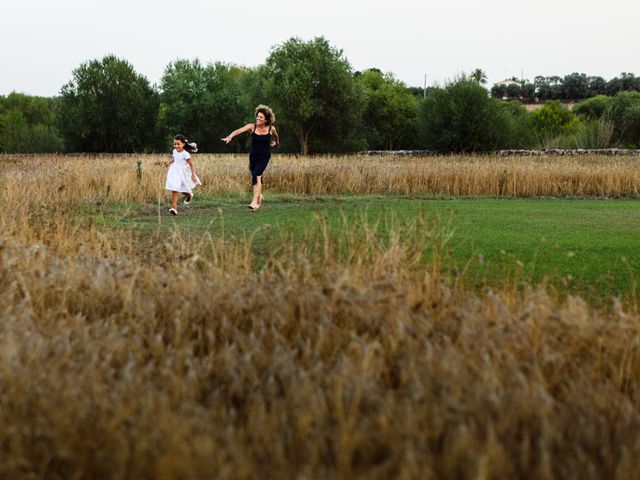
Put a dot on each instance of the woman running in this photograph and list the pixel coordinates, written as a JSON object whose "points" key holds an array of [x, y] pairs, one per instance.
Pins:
{"points": [[262, 132]]}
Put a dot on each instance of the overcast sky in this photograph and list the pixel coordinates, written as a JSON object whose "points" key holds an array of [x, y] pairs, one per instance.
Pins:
{"points": [[42, 41]]}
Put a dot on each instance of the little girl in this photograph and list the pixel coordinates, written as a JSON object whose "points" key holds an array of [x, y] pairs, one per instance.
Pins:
{"points": [[181, 177]]}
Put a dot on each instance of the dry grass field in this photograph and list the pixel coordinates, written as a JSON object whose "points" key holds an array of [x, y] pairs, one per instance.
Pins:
{"points": [[346, 355]]}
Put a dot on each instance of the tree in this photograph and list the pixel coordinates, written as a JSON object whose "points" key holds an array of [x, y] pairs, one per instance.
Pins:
{"points": [[575, 86], [313, 90], [108, 107], [462, 118], [528, 92], [514, 90], [390, 111], [202, 102], [623, 111], [626, 82], [548, 88], [597, 86], [479, 76], [499, 91], [14, 132], [27, 124]]}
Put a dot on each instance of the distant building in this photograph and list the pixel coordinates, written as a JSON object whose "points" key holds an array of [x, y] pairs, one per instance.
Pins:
{"points": [[506, 83]]}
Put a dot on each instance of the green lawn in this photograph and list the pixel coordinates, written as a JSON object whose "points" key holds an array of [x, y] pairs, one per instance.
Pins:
{"points": [[590, 247]]}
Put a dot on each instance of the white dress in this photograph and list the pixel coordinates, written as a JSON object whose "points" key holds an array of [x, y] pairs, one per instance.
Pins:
{"points": [[179, 174]]}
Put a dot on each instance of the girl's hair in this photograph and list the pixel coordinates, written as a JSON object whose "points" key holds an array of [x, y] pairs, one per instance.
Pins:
{"points": [[189, 147], [269, 116]]}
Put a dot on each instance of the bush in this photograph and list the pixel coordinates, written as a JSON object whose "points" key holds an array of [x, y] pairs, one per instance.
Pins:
{"points": [[520, 131], [592, 107], [462, 118], [45, 139], [553, 120], [591, 133], [623, 111]]}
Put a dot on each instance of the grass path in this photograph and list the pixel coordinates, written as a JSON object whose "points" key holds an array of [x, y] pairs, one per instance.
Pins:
{"points": [[590, 247]]}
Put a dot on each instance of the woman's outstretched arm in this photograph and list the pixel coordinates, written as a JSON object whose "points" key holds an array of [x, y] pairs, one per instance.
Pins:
{"points": [[248, 127]]}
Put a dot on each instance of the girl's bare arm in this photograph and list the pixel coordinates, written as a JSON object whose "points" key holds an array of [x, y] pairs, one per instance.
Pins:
{"points": [[193, 169]]}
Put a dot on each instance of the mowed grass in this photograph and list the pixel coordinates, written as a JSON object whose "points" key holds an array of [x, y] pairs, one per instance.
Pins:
{"points": [[584, 247]]}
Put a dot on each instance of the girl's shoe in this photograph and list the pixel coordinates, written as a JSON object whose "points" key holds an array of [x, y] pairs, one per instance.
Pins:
{"points": [[188, 198], [173, 211]]}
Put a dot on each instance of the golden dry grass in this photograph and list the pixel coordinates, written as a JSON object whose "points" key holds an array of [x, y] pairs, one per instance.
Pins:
{"points": [[91, 178], [345, 356]]}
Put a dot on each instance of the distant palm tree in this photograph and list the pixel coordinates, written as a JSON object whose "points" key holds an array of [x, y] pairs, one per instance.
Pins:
{"points": [[479, 76]]}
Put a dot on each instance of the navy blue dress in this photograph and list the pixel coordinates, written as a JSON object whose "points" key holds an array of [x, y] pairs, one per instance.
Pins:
{"points": [[259, 154]]}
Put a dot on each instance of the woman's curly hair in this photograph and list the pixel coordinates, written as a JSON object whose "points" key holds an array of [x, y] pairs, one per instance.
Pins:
{"points": [[269, 116]]}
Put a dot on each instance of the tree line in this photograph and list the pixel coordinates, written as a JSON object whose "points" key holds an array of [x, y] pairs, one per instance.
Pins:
{"points": [[322, 106], [573, 87]]}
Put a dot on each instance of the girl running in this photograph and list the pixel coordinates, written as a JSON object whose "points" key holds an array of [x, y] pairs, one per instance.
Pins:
{"points": [[181, 177]]}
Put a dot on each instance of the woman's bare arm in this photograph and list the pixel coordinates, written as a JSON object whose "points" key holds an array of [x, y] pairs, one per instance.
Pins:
{"points": [[246, 128], [277, 137]]}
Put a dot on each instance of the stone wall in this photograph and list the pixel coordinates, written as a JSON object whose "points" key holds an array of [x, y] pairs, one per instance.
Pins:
{"points": [[555, 152]]}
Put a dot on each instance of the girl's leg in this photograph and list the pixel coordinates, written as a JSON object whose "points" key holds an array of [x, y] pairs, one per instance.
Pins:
{"points": [[174, 200], [257, 190]]}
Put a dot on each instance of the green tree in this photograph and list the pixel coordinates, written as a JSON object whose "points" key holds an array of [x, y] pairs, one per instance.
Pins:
{"points": [[390, 111], [27, 124], [499, 91], [575, 86], [202, 102], [108, 107], [479, 76], [462, 118], [311, 87], [597, 86], [514, 91], [14, 132], [623, 111], [548, 88]]}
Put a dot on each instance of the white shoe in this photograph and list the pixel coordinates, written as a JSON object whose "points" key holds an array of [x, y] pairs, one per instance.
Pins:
{"points": [[188, 199], [173, 211]]}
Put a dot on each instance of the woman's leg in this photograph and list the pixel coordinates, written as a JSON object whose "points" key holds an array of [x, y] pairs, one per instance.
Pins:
{"points": [[257, 190], [174, 200]]}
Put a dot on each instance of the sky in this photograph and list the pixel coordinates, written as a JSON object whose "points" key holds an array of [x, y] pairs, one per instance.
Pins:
{"points": [[43, 41]]}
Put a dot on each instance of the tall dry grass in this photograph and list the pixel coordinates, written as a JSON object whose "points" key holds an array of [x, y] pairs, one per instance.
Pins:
{"points": [[347, 355], [114, 177]]}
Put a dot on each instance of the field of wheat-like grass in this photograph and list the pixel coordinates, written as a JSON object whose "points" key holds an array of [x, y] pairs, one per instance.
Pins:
{"points": [[84, 177], [345, 355]]}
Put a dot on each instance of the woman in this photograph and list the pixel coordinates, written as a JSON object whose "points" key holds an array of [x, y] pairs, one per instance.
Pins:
{"points": [[262, 132]]}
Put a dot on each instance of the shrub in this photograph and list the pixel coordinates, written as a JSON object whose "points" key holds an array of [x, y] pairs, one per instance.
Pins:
{"points": [[592, 107], [553, 119], [623, 111], [520, 131], [589, 134]]}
